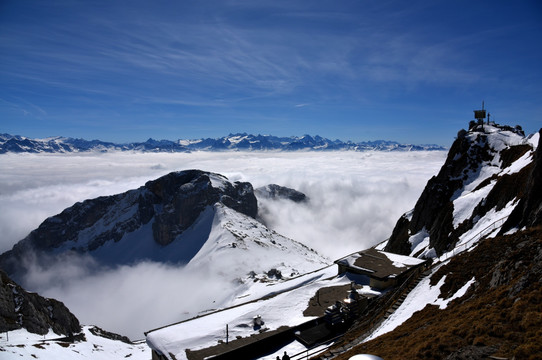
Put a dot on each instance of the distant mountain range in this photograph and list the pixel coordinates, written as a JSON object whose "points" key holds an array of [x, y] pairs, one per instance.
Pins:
{"points": [[233, 142]]}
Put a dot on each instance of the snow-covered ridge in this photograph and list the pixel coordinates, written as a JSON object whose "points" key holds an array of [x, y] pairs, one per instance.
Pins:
{"points": [[233, 142], [251, 252], [483, 180]]}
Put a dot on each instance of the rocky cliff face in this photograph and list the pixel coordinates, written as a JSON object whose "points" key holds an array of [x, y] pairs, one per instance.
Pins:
{"points": [[169, 205], [184, 195], [528, 212], [22, 309], [488, 170]]}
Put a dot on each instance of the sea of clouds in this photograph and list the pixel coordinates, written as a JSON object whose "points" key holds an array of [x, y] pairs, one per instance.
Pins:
{"points": [[355, 200]]}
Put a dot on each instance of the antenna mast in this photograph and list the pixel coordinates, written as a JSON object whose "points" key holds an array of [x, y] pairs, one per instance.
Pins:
{"points": [[480, 115]]}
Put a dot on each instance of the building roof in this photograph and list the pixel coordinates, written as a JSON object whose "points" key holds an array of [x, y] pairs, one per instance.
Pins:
{"points": [[379, 264]]}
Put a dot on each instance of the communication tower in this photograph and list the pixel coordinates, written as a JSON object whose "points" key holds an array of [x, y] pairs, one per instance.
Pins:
{"points": [[480, 115]]}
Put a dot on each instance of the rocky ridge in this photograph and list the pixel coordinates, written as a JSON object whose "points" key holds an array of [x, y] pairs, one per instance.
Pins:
{"points": [[167, 207], [191, 218], [489, 171]]}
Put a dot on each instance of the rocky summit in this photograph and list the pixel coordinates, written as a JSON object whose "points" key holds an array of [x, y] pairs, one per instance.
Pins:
{"points": [[184, 195], [491, 171]]}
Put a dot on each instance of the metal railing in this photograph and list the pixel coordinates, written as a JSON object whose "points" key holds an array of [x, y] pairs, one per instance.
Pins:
{"points": [[476, 237], [317, 349], [373, 317]]}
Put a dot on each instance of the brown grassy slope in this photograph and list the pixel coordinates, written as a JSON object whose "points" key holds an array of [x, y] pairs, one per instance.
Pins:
{"points": [[500, 315]]}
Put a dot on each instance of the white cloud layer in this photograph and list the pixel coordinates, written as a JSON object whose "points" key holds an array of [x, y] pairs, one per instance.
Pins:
{"points": [[355, 200], [129, 299]]}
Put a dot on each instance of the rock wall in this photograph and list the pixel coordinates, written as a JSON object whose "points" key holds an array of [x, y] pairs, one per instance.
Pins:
{"points": [[528, 212]]}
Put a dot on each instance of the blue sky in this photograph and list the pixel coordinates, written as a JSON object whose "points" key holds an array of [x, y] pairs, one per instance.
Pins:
{"points": [[410, 71]]}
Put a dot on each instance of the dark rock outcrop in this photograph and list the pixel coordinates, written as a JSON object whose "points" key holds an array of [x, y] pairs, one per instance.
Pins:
{"points": [[434, 208], [109, 335], [172, 202], [400, 245], [274, 191], [22, 309]]}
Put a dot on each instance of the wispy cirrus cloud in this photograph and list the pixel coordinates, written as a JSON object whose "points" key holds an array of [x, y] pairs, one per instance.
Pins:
{"points": [[355, 60], [218, 54]]}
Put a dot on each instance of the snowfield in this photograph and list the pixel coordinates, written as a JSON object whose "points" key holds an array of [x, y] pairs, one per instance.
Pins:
{"points": [[286, 307], [20, 344], [238, 246]]}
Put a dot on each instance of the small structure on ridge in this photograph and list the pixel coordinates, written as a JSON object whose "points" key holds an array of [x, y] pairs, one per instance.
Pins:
{"points": [[383, 268]]}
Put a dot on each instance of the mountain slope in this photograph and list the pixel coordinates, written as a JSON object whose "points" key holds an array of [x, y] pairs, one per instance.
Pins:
{"points": [[150, 217], [498, 314], [484, 177], [243, 246], [528, 212], [484, 301], [233, 142]]}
